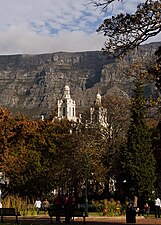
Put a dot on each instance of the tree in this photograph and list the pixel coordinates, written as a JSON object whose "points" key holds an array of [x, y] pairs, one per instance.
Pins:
{"points": [[137, 159], [127, 31], [6, 130], [42, 153], [22, 160], [109, 121], [118, 115], [154, 68]]}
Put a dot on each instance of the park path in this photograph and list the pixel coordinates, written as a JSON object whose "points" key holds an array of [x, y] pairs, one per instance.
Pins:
{"points": [[44, 219]]}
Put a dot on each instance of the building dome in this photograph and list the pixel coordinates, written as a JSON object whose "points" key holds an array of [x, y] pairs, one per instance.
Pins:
{"points": [[66, 88], [98, 96], [67, 106], [98, 99]]}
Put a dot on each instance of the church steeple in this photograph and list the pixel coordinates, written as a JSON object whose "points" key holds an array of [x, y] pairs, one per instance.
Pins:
{"points": [[98, 99], [66, 92], [67, 106], [98, 114]]}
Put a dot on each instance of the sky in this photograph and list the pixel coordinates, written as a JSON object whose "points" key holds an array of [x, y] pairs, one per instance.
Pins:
{"points": [[47, 26]]}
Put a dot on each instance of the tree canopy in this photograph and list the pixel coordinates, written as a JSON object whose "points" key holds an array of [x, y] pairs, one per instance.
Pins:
{"points": [[47, 155], [127, 31]]}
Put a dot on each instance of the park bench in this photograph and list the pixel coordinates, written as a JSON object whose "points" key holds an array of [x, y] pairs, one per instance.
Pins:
{"points": [[9, 212], [75, 213]]}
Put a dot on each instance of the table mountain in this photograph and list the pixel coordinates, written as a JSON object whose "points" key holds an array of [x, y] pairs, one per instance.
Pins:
{"points": [[32, 84]]}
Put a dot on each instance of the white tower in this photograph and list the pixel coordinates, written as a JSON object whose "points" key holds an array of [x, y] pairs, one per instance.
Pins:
{"points": [[67, 106], [98, 114], [98, 99]]}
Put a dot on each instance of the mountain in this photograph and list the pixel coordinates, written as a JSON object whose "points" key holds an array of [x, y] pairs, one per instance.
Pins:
{"points": [[32, 84]]}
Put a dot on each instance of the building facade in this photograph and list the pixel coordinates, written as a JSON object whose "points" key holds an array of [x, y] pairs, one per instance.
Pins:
{"points": [[67, 106]]}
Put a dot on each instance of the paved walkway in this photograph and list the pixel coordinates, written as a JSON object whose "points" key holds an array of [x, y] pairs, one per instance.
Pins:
{"points": [[122, 220], [44, 219]]}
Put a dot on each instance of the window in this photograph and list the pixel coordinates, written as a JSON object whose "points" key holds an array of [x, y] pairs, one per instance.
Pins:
{"points": [[64, 111]]}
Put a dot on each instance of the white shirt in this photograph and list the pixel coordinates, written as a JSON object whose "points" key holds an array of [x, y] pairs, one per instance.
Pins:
{"points": [[157, 202], [38, 204]]}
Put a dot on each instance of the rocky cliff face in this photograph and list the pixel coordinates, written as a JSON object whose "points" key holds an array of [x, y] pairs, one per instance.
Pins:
{"points": [[32, 84]]}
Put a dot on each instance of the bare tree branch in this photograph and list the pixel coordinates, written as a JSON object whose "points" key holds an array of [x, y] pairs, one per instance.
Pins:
{"points": [[127, 31]]}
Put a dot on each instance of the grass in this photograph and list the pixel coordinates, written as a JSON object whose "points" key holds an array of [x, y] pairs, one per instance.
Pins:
{"points": [[95, 213]]}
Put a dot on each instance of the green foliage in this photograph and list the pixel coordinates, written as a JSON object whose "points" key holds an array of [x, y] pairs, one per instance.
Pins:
{"points": [[111, 208], [44, 154], [98, 205], [138, 161], [114, 208], [23, 205]]}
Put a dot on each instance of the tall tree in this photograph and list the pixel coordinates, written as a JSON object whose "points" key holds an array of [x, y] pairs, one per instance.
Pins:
{"points": [[137, 158]]}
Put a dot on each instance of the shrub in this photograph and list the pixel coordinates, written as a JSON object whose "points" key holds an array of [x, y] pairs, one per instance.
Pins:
{"points": [[23, 205], [108, 207], [98, 205]]}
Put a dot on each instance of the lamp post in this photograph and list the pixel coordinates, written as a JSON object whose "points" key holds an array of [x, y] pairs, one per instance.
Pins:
{"points": [[3, 181], [86, 178]]}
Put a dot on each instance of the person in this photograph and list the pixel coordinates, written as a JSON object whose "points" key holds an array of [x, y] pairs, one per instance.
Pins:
{"points": [[68, 207], [135, 205], [38, 205], [45, 205], [57, 204], [157, 207], [146, 209], [73, 207], [130, 214]]}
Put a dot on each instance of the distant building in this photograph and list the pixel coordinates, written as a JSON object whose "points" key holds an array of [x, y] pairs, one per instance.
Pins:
{"points": [[98, 114], [67, 107]]}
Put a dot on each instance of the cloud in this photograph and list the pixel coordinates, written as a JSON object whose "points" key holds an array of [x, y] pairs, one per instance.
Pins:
{"points": [[17, 39], [125, 6], [38, 26]]}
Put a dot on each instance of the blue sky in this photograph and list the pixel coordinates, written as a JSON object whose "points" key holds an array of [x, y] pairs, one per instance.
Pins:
{"points": [[44, 26]]}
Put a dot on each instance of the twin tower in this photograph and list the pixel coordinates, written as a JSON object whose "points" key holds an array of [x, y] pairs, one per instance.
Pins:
{"points": [[67, 109], [67, 106]]}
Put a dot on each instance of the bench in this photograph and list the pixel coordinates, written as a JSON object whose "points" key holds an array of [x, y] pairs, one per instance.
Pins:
{"points": [[75, 213], [9, 212]]}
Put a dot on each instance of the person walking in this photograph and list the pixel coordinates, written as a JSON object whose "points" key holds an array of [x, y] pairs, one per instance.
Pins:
{"points": [[58, 204], [45, 205], [68, 207], [38, 205], [157, 207]]}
